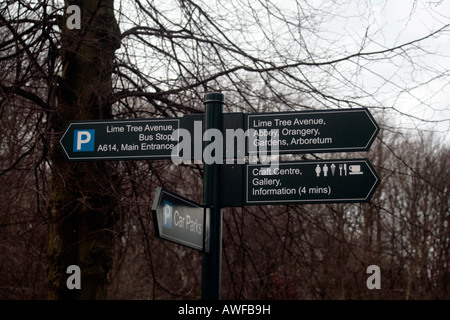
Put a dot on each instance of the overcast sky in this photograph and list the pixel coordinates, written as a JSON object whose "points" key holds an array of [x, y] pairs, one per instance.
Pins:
{"points": [[414, 86], [391, 23]]}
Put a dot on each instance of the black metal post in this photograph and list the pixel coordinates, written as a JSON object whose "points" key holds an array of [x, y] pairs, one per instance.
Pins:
{"points": [[212, 182]]}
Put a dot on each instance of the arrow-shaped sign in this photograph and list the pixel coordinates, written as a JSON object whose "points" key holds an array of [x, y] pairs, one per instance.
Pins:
{"points": [[180, 220], [324, 181], [313, 131], [119, 139], [282, 132]]}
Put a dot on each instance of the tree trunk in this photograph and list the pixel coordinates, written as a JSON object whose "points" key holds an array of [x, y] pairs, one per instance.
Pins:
{"points": [[82, 198]]}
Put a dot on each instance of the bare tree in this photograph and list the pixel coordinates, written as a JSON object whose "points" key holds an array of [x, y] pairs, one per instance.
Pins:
{"points": [[264, 56]]}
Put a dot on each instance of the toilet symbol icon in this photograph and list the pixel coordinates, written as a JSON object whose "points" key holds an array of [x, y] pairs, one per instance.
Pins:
{"points": [[325, 170], [318, 170]]}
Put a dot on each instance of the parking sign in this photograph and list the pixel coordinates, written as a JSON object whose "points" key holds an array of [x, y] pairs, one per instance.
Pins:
{"points": [[167, 214], [83, 140]]}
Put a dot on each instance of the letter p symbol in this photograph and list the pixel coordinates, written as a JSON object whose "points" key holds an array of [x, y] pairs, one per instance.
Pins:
{"points": [[167, 214], [83, 140]]}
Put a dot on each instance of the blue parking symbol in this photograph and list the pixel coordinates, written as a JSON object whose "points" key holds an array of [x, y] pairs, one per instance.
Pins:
{"points": [[83, 140], [167, 214]]}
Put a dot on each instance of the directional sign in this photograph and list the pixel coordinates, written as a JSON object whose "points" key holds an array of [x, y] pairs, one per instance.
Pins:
{"points": [[119, 139], [313, 131], [180, 220], [324, 181], [289, 132]]}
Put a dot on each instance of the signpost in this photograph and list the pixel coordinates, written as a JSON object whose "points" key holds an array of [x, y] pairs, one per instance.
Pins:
{"points": [[290, 132], [212, 178], [119, 139], [200, 226], [324, 181], [314, 131], [180, 220]]}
